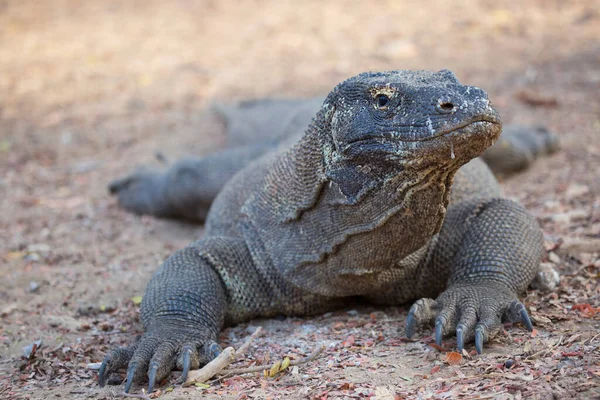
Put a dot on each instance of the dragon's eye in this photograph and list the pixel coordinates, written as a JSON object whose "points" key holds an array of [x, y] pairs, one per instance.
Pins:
{"points": [[381, 100]]}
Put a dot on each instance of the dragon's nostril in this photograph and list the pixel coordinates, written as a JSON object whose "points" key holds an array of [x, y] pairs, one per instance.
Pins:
{"points": [[445, 107]]}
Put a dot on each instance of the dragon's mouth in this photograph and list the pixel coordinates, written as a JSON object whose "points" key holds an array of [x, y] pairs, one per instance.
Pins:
{"points": [[397, 136], [446, 131]]}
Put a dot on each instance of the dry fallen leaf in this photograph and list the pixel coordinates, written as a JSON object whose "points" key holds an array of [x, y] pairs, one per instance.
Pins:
{"points": [[275, 369], [348, 342], [534, 333], [438, 348], [586, 310], [453, 358]]}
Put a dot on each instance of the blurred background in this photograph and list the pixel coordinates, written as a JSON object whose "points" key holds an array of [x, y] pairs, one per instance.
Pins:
{"points": [[83, 71], [89, 89]]}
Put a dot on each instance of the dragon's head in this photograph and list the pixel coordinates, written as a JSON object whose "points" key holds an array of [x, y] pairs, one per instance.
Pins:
{"points": [[410, 122]]}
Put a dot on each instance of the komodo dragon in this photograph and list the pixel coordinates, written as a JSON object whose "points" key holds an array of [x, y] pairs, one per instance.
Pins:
{"points": [[381, 197]]}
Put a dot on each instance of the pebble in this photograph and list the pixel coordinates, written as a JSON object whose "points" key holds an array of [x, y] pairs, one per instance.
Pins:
{"points": [[573, 215], [38, 248], [34, 286], [554, 257], [566, 362]]}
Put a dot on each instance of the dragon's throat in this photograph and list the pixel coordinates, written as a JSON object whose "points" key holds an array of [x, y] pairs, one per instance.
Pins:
{"points": [[385, 247]]}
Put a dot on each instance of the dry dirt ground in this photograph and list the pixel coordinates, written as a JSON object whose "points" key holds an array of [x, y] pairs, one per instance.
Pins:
{"points": [[90, 89]]}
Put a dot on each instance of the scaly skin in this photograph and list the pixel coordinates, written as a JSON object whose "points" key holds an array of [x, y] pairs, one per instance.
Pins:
{"points": [[362, 203]]}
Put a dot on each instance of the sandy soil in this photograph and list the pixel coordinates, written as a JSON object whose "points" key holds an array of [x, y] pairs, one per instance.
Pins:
{"points": [[91, 89]]}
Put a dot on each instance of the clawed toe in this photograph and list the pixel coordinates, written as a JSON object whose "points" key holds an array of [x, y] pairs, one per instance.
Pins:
{"points": [[104, 372], [460, 337], [479, 339], [439, 327], [118, 184], [114, 361], [212, 351], [152, 376], [421, 313], [186, 363], [517, 312], [526, 320], [141, 192], [130, 376]]}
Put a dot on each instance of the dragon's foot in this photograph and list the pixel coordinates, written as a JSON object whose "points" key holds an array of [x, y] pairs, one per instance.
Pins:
{"points": [[156, 354], [472, 312]]}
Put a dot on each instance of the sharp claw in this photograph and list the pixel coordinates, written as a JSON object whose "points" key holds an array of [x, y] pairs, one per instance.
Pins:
{"points": [[129, 379], [526, 320], [214, 350], [102, 374], [479, 340], [161, 158], [439, 326], [410, 325], [116, 185], [152, 376], [187, 360], [460, 339]]}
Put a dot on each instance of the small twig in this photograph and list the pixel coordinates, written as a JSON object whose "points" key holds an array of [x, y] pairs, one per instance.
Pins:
{"points": [[544, 351], [240, 352], [514, 377], [259, 368], [589, 341], [224, 359], [310, 357], [135, 396], [211, 369]]}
